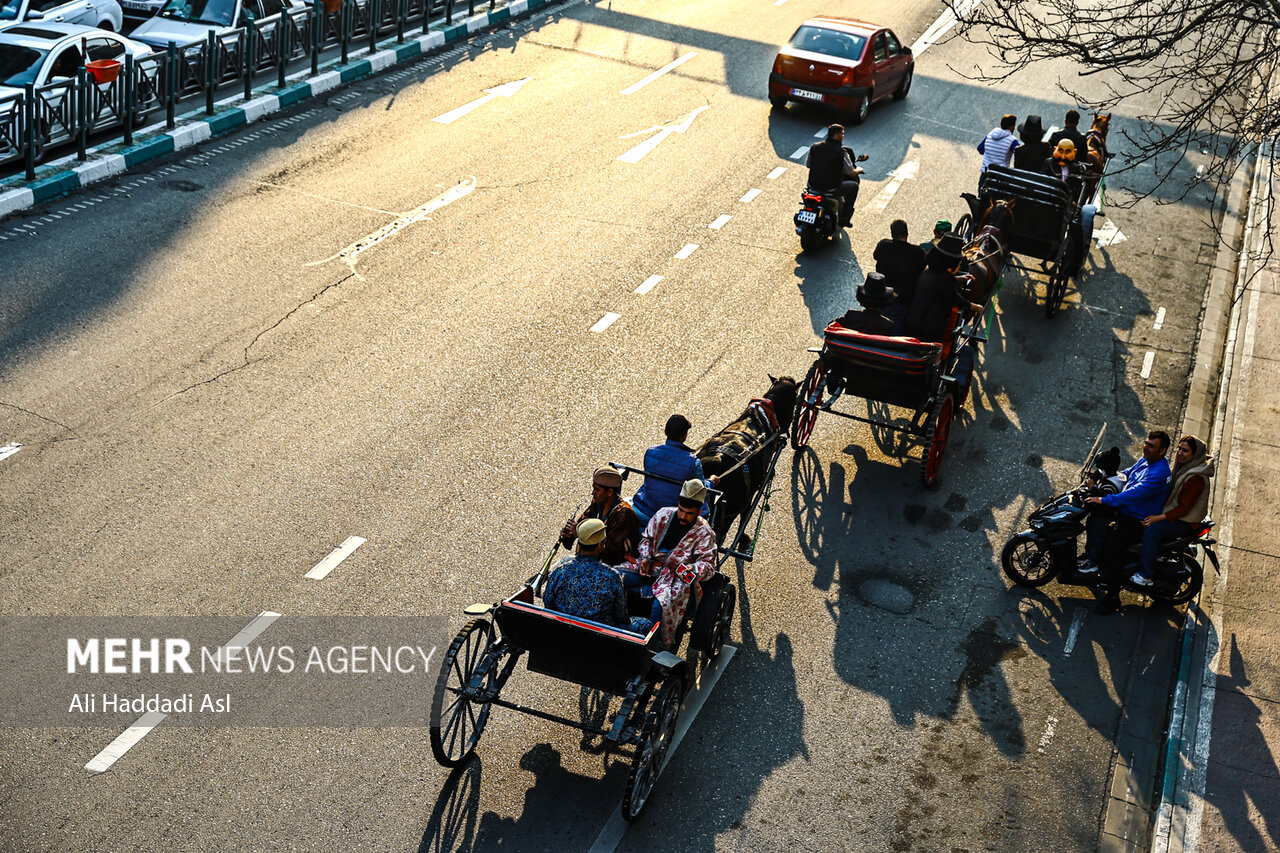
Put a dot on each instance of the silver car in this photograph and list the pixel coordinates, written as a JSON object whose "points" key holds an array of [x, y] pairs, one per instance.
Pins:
{"points": [[103, 14], [186, 22]]}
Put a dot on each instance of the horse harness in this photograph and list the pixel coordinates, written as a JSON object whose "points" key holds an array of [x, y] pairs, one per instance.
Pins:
{"points": [[760, 415]]}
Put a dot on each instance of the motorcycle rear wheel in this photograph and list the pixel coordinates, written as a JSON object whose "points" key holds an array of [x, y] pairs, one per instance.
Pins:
{"points": [[809, 239], [1026, 561], [1184, 591]]}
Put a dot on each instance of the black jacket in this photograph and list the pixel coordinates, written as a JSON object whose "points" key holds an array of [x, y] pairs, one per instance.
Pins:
{"points": [[936, 293], [826, 165]]}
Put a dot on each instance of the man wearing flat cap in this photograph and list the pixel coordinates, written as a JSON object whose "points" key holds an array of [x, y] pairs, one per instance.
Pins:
{"points": [[622, 528], [678, 551], [673, 460], [584, 586]]}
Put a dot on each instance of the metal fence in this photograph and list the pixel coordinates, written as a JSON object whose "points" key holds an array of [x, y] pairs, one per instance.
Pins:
{"points": [[71, 109]]}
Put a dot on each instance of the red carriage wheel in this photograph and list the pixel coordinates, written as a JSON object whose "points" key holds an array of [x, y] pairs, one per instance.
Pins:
{"points": [[939, 432], [811, 392]]}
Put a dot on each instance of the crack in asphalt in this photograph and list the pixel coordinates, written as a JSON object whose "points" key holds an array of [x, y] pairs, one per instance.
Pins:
{"points": [[74, 434]]}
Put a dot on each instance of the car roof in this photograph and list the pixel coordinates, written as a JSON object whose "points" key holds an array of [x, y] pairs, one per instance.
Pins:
{"points": [[848, 25]]}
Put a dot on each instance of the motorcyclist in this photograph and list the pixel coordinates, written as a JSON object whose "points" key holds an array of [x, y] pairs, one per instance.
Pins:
{"points": [[831, 170]]}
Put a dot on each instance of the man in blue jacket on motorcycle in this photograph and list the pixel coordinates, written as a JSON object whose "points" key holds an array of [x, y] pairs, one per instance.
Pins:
{"points": [[1145, 489]]}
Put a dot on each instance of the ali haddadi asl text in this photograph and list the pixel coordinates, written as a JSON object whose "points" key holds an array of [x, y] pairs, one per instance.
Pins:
{"points": [[114, 703]]}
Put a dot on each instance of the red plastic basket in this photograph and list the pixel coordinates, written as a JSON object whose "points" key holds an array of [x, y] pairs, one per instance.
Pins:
{"points": [[103, 70]]}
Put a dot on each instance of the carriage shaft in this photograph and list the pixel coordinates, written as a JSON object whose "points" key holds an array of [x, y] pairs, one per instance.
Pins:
{"points": [[910, 429], [554, 718]]}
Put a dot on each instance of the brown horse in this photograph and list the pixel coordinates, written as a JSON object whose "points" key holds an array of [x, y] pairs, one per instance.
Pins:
{"points": [[769, 415], [1096, 152]]}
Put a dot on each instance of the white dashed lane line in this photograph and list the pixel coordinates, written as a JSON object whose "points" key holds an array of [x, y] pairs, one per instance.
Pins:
{"points": [[336, 556], [689, 249], [1076, 621], [670, 66], [750, 196], [721, 221], [800, 153], [776, 173], [605, 322], [9, 449], [1147, 360], [1159, 324], [649, 284]]}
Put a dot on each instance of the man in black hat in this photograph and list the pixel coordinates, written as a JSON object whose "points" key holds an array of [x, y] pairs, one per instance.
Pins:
{"points": [[1034, 150], [874, 297], [900, 261], [938, 291]]}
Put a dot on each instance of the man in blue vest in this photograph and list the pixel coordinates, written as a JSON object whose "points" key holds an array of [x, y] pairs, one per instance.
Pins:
{"points": [[673, 460]]}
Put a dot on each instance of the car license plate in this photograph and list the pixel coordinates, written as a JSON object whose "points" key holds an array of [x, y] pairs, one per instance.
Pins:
{"points": [[802, 93], [138, 7], [807, 216]]}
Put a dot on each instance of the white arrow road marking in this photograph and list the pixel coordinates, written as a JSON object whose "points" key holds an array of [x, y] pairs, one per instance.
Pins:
{"points": [[9, 449], [660, 132], [942, 26], [506, 90], [670, 66], [351, 252], [906, 172], [336, 556], [129, 738], [1108, 235]]}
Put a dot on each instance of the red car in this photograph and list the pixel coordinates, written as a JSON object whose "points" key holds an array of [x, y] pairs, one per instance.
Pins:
{"points": [[843, 64]]}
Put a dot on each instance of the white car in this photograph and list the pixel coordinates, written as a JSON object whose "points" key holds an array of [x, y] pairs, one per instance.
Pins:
{"points": [[43, 53], [187, 22], [103, 14]]}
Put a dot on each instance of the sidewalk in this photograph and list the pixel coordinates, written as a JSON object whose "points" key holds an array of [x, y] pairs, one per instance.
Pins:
{"points": [[1222, 784]]}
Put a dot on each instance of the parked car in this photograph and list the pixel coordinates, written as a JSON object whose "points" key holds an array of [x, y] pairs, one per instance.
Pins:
{"points": [[842, 64], [186, 22], [103, 14], [43, 53]]}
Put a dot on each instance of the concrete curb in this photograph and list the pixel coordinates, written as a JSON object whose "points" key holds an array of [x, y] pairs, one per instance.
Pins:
{"points": [[59, 178], [1207, 392]]}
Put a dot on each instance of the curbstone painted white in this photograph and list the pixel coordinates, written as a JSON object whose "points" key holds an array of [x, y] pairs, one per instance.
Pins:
{"points": [[186, 135], [259, 107], [96, 170], [477, 22], [15, 200], [324, 82]]}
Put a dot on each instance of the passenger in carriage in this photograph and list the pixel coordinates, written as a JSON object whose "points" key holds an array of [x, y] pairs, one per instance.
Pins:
{"points": [[874, 297], [1070, 130], [1034, 150], [942, 226], [673, 459], [1062, 164], [901, 263], [677, 551], [937, 292], [622, 528], [584, 586]]}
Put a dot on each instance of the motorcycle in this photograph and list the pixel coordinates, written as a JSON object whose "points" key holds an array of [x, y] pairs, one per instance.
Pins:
{"points": [[1048, 549], [819, 217]]}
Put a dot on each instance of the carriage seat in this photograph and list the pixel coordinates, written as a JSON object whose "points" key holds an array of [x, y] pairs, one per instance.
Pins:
{"points": [[899, 352]]}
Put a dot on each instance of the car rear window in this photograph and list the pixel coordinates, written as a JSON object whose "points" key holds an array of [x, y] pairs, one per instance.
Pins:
{"points": [[19, 65], [829, 42]]}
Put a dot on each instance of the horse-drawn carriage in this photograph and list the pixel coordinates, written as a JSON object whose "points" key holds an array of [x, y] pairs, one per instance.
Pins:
{"points": [[651, 678], [930, 378]]}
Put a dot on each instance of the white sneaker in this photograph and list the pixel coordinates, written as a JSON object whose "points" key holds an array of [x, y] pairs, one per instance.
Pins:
{"points": [[1139, 579], [1085, 567]]}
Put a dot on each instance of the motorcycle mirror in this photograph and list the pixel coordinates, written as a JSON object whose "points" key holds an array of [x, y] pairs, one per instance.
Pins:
{"points": [[861, 157]]}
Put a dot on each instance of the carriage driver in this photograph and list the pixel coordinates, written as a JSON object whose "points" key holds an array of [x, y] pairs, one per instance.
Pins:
{"points": [[677, 551], [622, 528]]}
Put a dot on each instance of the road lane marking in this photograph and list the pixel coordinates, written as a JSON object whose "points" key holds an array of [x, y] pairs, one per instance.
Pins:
{"points": [[660, 133], [1147, 361], [943, 25], [820, 133], [750, 195], [1159, 324], [800, 153], [1047, 737], [779, 2], [605, 322], [670, 66], [906, 172], [1076, 622], [506, 90], [351, 252], [721, 221], [336, 556], [689, 249], [649, 284], [611, 836], [776, 173], [129, 738], [9, 449], [1108, 235]]}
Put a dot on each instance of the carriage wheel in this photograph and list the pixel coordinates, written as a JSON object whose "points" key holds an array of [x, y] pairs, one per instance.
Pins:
{"points": [[724, 620], [1058, 276], [937, 441], [655, 739], [456, 724], [964, 227], [811, 391]]}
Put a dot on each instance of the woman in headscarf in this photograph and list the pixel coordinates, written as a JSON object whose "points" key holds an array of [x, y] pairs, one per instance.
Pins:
{"points": [[1187, 504]]}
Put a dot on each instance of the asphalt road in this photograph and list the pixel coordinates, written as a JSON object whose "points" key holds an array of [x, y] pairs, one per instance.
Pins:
{"points": [[215, 382]]}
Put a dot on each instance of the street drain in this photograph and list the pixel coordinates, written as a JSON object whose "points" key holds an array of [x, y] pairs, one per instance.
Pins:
{"points": [[887, 595]]}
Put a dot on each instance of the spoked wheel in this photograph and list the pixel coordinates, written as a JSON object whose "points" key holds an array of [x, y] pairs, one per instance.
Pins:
{"points": [[724, 621], [655, 739], [964, 227], [456, 721], [810, 399], [1026, 562], [1180, 580], [939, 432], [1058, 275]]}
